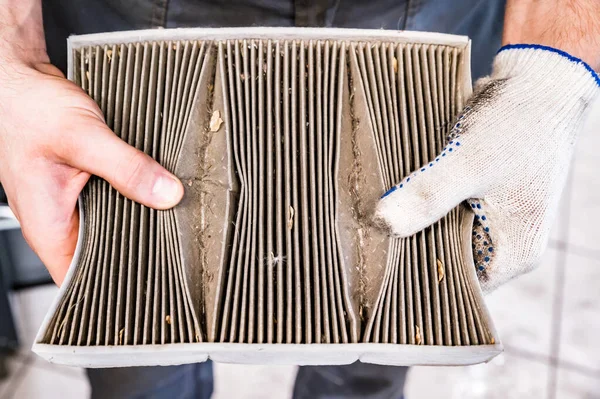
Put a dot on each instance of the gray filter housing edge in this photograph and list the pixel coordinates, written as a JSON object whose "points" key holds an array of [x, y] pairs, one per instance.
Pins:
{"points": [[284, 138]]}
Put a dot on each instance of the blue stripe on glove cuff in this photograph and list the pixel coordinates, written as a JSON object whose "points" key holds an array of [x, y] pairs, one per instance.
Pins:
{"points": [[554, 50]]}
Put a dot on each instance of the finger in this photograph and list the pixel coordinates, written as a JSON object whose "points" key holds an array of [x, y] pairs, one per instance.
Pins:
{"points": [[506, 243], [50, 220], [57, 255], [484, 242], [133, 173], [426, 195]]}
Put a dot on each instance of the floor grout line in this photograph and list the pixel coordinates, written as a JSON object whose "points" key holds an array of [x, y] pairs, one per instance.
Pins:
{"points": [[58, 370], [556, 324], [582, 251], [545, 359], [558, 245], [559, 288], [579, 369], [18, 377], [27, 363], [525, 354]]}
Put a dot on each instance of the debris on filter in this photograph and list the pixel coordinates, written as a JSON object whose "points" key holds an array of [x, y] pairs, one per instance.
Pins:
{"points": [[121, 336], [276, 259], [109, 55], [215, 121], [291, 219], [62, 324], [168, 319], [395, 64], [492, 341], [440, 267], [87, 75], [418, 340]]}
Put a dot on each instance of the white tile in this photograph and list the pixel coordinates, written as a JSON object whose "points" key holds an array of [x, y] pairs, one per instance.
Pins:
{"points": [[575, 385], [13, 364], [39, 362], [43, 383], [584, 213], [522, 308], [560, 229], [29, 309], [581, 313], [506, 377], [249, 382], [590, 139]]}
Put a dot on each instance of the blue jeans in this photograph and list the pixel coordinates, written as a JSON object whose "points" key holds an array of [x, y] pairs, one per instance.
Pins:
{"points": [[479, 19], [357, 381]]}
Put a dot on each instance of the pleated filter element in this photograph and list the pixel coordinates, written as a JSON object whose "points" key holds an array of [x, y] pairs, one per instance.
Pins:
{"points": [[284, 140], [424, 296], [284, 281]]}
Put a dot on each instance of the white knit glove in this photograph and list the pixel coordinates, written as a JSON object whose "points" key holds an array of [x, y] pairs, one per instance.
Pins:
{"points": [[509, 154]]}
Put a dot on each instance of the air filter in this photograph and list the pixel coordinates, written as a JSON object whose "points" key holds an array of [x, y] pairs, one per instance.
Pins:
{"points": [[284, 140]]}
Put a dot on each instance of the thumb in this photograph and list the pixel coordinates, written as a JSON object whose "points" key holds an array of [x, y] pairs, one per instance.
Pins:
{"points": [[130, 171], [426, 195]]}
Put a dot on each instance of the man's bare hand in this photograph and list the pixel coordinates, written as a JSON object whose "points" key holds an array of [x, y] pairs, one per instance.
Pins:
{"points": [[52, 137]]}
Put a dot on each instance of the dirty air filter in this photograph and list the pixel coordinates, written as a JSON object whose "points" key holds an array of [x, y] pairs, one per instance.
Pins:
{"points": [[284, 140]]}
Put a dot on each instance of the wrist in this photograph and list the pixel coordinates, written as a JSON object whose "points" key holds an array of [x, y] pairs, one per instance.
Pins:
{"points": [[22, 32], [587, 54], [568, 25], [547, 73]]}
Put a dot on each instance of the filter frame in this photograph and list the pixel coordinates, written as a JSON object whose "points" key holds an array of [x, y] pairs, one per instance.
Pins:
{"points": [[301, 354]]}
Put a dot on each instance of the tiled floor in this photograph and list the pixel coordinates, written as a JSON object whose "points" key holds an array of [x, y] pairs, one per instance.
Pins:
{"points": [[549, 322]]}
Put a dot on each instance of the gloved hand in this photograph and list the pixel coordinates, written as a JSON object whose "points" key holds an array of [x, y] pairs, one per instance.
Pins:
{"points": [[508, 154]]}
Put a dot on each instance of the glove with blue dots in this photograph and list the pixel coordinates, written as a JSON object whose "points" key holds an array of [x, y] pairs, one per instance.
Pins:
{"points": [[508, 155]]}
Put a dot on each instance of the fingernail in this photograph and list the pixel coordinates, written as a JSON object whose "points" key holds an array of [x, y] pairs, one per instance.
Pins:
{"points": [[166, 191]]}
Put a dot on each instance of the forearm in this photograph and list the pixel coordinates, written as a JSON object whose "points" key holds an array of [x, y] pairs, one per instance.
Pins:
{"points": [[569, 25], [22, 32]]}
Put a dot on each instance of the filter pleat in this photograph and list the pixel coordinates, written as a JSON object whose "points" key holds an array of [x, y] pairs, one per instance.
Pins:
{"points": [[252, 139], [326, 72]]}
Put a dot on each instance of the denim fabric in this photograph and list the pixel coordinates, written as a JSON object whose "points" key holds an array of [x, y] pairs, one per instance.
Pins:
{"points": [[63, 18], [479, 19], [170, 382], [352, 381]]}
